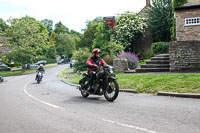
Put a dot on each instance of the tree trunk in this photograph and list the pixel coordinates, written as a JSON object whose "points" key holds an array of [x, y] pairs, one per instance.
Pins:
{"points": [[28, 67], [23, 69]]}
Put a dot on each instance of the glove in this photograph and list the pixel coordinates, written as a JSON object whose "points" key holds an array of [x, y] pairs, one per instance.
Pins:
{"points": [[95, 66]]}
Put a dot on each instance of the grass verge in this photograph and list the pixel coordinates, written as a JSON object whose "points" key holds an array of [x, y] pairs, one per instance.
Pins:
{"points": [[152, 83]]}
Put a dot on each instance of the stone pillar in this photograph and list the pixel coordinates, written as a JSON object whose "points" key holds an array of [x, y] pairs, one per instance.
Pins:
{"points": [[120, 64]]}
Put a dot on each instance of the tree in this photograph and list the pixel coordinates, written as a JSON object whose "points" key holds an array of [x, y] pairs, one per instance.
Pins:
{"points": [[3, 26], [76, 36], [89, 33], [129, 26], [50, 50], [49, 24], [160, 19], [60, 28], [65, 44], [28, 38], [104, 42], [81, 55]]}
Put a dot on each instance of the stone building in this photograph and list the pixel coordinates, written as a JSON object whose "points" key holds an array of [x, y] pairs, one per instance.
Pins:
{"points": [[188, 21], [143, 44], [185, 52]]}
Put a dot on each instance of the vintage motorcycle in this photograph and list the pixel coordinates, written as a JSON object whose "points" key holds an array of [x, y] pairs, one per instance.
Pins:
{"points": [[39, 76], [104, 83]]}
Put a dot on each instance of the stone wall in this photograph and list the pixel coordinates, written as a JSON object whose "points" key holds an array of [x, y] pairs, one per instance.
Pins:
{"points": [[120, 64], [186, 33], [143, 44], [184, 56]]}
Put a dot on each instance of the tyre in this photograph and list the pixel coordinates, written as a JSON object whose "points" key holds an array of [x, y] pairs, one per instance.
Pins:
{"points": [[112, 90]]}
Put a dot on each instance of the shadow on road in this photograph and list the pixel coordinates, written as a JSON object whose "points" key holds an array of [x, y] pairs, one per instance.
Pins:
{"points": [[90, 99]]}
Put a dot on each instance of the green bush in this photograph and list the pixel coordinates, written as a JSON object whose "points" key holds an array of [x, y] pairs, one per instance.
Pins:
{"points": [[51, 60], [109, 59], [160, 47], [81, 55], [149, 55]]}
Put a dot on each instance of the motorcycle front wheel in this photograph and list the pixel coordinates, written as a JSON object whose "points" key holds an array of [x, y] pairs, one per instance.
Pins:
{"points": [[112, 90]]}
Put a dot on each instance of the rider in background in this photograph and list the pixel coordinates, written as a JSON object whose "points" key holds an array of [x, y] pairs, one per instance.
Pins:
{"points": [[94, 63], [40, 69]]}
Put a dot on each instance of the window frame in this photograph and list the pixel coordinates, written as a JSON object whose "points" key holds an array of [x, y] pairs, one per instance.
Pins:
{"points": [[192, 21]]}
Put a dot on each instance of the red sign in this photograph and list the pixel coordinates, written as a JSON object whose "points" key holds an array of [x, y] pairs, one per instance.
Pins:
{"points": [[110, 21]]}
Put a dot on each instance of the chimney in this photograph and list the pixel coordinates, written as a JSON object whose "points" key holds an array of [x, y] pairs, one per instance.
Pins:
{"points": [[148, 3]]}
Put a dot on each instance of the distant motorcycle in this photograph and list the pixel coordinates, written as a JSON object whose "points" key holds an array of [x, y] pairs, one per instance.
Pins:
{"points": [[39, 76], [104, 84]]}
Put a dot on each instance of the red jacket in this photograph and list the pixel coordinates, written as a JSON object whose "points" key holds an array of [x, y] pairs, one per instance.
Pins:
{"points": [[98, 61]]}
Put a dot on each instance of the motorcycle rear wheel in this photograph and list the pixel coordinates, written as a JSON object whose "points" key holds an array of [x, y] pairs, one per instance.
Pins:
{"points": [[111, 91]]}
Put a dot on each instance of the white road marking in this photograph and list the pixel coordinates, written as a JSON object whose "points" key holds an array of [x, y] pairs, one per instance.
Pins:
{"points": [[49, 104], [129, 126], [105, 120]]}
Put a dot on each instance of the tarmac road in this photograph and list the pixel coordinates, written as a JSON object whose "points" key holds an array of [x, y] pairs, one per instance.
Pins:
{"points": [[55, 107]]}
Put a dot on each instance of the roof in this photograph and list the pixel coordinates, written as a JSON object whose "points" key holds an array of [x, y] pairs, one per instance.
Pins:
{"points": [[187, 7]]}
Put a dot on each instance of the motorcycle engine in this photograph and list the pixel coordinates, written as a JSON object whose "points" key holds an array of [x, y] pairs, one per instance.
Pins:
{"points": [[95, 86]]}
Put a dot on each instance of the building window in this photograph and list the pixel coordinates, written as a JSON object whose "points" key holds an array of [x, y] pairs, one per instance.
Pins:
{"points": [[192, 21]]}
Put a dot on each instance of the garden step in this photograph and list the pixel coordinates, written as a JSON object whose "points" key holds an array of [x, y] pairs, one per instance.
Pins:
{"points": [[141, 70], [157, 62], [159, 58], [162, 55], [129, 71], [155, 66]]}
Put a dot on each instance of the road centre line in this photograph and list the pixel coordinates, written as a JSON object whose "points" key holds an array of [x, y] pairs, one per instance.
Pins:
{"points": [[129, 126], [49, 104], [105, 120]]}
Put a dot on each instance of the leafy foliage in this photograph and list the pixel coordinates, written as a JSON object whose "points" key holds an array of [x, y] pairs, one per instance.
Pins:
{"points": [[3, 26], [49, 24], [160, 47], [128, 27], [179, 2], [81, 55], [160, 20], [60, 28], [103, 41], [132, 59], [28, 37], [109, 59], [65, 44], [21, 56], [102, 36], [89, 33]]}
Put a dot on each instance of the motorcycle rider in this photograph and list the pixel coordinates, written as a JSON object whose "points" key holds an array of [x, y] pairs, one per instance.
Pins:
{"points": [[94, 63], [40, 69]]}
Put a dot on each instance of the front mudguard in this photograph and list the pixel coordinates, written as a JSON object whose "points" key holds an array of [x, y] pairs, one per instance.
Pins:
{"points": [[112, 77]]}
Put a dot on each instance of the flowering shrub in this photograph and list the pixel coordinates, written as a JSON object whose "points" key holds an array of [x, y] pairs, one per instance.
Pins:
{"points": [[128, 27], [132, 59]]}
